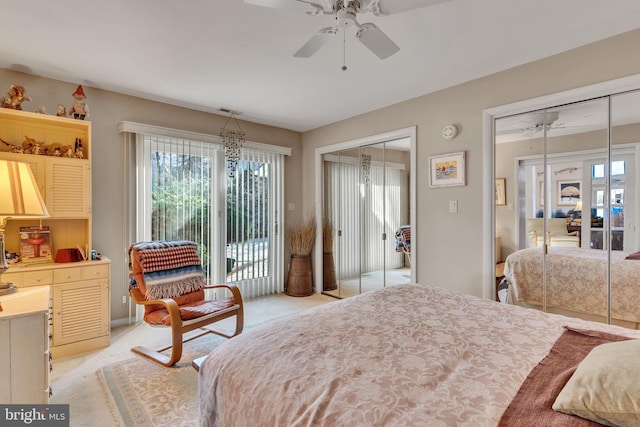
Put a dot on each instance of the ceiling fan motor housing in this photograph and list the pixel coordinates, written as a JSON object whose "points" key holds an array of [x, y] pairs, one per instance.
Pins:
{"points": [[346, 18]]}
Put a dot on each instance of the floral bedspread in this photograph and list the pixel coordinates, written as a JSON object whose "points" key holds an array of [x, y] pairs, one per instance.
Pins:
{"points": [[576, 280], [407, 355]]}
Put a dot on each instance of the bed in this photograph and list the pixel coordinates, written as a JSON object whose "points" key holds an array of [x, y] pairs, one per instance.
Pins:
{"points": [[576, 283], [405, 355]]}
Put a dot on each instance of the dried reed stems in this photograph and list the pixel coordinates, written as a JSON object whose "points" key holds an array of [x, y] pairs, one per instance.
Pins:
{"points": [[327, 236], [301, 237]]}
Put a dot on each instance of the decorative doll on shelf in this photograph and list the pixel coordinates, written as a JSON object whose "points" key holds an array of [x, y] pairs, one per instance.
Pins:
{"points": [[62, 111], [78, 150], [14, 98], [79, 110]]}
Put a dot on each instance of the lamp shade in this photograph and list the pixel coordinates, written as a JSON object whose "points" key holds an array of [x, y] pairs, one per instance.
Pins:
{"points": [[19, 194], [578, 207]]}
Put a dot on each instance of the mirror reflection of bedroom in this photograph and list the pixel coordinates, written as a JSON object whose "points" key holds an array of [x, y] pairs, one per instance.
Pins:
{"points": [[366, 230], [567, 232]]}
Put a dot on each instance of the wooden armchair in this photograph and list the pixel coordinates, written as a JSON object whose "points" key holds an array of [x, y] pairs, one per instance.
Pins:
{"points": [[166, 278]]}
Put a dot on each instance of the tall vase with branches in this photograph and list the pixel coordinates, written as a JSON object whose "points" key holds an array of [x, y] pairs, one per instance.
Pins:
{"points": [[301, 239], [328, 265]]}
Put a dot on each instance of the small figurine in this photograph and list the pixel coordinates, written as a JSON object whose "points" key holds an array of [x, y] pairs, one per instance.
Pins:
{"points": [[41, 109], [16, 95], [62, 111], [80, 109], [57, 152], [29, 144], [12, 147], [69, 152], [79, 154]]}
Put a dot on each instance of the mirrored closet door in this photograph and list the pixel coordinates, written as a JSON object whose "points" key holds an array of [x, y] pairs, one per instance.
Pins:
{"points": [[366, 230], [570, 228]]}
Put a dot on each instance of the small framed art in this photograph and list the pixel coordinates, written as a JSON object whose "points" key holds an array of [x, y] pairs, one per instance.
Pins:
{"points": [[447, 170], [568, 193], [501, 191]]}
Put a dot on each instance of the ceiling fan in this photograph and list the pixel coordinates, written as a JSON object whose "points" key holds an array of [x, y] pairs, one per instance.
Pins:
{"points": [[529, 125], [345, 13]]}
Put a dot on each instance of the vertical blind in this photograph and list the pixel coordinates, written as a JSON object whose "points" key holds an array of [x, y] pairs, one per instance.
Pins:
{"points": [[362, 213], [183, 191]]}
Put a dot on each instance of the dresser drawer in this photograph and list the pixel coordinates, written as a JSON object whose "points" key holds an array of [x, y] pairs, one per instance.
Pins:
{"points": [[10, 278], [64, 275], [100, 271], [37, 278]]}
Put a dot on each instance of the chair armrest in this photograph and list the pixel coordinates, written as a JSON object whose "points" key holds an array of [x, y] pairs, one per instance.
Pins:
{"points": [[235, 291], [170, 304]]}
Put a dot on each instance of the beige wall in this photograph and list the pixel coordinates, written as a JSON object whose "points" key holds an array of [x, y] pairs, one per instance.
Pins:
{"points": [[449, 246], [444, 242], [108, 157]]}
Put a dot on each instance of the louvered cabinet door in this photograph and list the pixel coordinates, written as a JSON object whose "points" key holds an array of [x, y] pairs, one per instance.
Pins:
{"points": [[68, 187], [80, 312]]}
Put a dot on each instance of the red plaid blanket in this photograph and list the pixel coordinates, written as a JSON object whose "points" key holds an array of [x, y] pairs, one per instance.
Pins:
{"points": [[169, 268]]}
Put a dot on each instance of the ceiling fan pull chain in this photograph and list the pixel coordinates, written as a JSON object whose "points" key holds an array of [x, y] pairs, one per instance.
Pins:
{"points": [[344, 50]]}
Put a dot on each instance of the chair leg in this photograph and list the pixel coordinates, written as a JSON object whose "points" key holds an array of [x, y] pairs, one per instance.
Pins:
{"points": [[238, 329], [162, 359], [177, 339]]}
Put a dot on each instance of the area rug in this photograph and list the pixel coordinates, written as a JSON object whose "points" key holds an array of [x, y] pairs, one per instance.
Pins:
{"points": [[147, 394]]}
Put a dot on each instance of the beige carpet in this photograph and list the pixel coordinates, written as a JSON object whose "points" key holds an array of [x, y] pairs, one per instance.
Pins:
{"points": [[78, 380], [147, 394]]}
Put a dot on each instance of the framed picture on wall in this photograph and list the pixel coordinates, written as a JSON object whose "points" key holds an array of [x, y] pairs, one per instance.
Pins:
{"points": [[501, 191], [447, 170], [568, 193]]}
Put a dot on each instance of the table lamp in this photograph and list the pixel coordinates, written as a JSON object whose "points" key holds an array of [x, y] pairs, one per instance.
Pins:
{"points": [[19, 197], [578, 209]]}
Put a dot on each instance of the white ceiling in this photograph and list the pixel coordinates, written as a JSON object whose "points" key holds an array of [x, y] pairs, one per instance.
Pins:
{"points": [[212, 54]]}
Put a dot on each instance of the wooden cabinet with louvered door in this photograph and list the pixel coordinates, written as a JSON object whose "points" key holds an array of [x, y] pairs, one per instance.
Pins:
{"points": [[61, 165], [81, 308], [68, 187]]}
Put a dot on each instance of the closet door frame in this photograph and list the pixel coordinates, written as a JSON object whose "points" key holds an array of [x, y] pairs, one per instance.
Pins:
{"points": [[408, 132]]}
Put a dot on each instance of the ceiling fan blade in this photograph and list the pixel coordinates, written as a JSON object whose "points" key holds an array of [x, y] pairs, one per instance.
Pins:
{"points": [[376, 41], [316, 42], [389, 7], [298, 5]]}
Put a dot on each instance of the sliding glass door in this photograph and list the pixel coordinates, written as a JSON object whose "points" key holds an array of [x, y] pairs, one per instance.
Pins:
{"points": [[185, 190]]}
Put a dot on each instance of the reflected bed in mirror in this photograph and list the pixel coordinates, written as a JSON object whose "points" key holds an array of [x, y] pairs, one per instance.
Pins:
{"points": [[575, 283]]}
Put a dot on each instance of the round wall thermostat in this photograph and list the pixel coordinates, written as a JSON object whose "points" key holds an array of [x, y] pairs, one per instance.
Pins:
{"points": [[449, 132]]}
